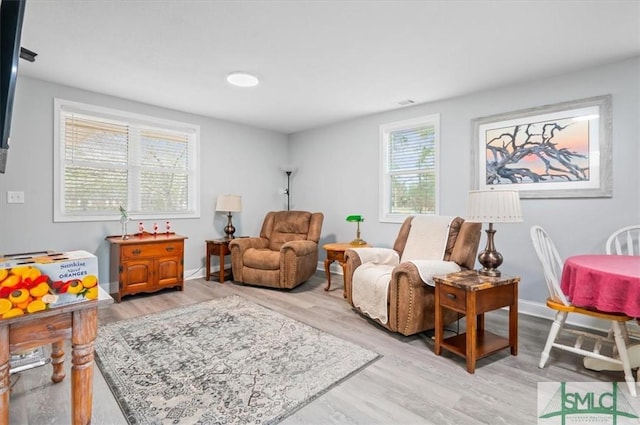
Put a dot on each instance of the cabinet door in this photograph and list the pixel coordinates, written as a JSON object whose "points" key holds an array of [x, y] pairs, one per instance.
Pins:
{"points": [[169, 270], [136, 275]]}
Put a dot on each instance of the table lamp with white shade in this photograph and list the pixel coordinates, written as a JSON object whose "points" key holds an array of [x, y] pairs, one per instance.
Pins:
{"points": [[229, 204], [493, 206]]}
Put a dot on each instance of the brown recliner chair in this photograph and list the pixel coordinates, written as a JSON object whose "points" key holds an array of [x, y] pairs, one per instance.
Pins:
{"points": [[284, 256], [411, 302]]}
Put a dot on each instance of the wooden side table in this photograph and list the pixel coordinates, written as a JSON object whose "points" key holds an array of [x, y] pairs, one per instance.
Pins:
{"points": [[77, 322], [219, 247], [335, 252], [473, 295]]}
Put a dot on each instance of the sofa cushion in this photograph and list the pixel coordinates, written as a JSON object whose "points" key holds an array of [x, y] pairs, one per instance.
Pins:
{"points": [[263, 259]]}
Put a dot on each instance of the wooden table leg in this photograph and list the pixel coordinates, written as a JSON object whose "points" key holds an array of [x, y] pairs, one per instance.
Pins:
{"points": [[472, 332], [221, 272], [439, 327], [57, 361], [84, 334], [4, 375], [327, 264], [513, 323], [208, 266]]}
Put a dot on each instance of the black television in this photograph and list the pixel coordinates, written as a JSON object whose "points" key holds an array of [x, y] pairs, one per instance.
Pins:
{"points": [[11, 17]]}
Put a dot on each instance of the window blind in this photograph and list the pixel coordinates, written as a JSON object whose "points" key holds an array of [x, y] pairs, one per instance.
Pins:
{"points": [[409, 183], [105, 163]]}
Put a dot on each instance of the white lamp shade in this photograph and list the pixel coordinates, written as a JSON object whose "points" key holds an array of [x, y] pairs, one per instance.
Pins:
{"points": [[229, 203], [494, 206]]}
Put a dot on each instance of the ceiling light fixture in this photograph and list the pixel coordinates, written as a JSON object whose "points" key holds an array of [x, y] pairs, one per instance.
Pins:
{"points": [[242, 79]]}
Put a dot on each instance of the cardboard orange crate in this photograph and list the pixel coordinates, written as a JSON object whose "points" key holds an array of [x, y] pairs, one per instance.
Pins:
{"points": [[37, 281]]}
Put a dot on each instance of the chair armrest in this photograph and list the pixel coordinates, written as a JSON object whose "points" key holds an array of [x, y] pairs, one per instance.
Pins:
{"points": [[386, 256], [428, 268], [242, 244], [413, 302], [355, 257], [300, 248], [238, 247]]}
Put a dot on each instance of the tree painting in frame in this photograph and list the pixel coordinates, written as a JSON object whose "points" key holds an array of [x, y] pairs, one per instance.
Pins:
{"points": [[554, 151]]}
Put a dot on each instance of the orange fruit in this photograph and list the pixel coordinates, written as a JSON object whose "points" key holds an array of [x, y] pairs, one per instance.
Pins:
{"points": [[39, 290], [75, 287], [19, 296], [11, 281], [36, 305], [89, 281], [20, 270], [92, 293], [13, 313], [31, 273], [5, 305], [3, 274], [23, 305]]}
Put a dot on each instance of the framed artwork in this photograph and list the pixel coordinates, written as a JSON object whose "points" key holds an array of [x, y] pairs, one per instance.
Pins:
{"points": [[553, 151]]}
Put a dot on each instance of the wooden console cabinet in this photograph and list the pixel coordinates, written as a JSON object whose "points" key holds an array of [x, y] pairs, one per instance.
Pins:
{"points": [[146, 263]]}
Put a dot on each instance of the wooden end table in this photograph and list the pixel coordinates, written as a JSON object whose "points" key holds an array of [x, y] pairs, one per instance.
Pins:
{"points": [[335, 252], [78, 322], [219, 247], [473, 295]]}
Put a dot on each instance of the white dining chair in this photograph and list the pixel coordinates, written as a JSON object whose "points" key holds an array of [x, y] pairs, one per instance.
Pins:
{"points": [[624, 241], [552, 266]]}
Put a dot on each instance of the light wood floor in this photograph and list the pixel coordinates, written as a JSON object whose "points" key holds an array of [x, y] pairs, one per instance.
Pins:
{"points": [[408, 385]]}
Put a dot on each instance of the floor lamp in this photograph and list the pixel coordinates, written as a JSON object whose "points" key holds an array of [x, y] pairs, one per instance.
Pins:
{"points": [[288, 169]]}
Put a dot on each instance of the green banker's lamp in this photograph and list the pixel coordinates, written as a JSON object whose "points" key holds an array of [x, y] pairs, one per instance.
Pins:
{"points": [[357, 219]]}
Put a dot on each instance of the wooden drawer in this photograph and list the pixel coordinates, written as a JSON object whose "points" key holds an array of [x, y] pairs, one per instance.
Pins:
{"points": [[452, 297], [151, 250], [28, 335]]}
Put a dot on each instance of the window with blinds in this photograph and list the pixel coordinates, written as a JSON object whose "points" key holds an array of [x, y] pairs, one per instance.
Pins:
{"points": [[106, 159], [409, 168]]}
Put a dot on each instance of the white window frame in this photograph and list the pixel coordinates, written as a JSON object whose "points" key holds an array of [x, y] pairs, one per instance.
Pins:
{"points": [[385, 214], [62, 106]]}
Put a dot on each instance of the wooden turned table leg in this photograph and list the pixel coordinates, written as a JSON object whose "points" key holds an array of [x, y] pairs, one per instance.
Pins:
{"points": [[327, 272], [57, 361], [4, 375], [84, 334]]}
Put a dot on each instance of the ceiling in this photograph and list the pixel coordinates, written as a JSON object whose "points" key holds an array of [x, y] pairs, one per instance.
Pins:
{"points": [[319, 62]]}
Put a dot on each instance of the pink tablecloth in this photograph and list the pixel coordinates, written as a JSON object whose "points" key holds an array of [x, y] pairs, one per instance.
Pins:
{"points": [[608, 283]]}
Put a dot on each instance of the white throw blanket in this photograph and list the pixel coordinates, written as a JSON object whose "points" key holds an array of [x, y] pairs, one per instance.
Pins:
{"points": [[428, 268], [427, 240]]}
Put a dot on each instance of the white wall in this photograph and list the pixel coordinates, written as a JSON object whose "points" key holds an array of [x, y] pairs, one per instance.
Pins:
{"points": [[234, 159], [337, 173], [338, 169]]}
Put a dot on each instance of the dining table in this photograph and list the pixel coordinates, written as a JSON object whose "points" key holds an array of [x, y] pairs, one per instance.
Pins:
{"points": [[609, 283]]}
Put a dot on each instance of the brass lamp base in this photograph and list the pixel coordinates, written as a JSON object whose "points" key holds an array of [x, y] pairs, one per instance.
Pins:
{"points": [[358, 240], [229, 229], [490, 258]]}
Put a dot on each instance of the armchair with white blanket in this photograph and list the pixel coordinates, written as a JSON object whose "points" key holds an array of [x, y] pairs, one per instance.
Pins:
{"points": [[393, 286]]}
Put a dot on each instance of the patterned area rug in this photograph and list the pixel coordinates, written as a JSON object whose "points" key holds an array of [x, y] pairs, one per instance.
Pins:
{"points": [[225, 361]]}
